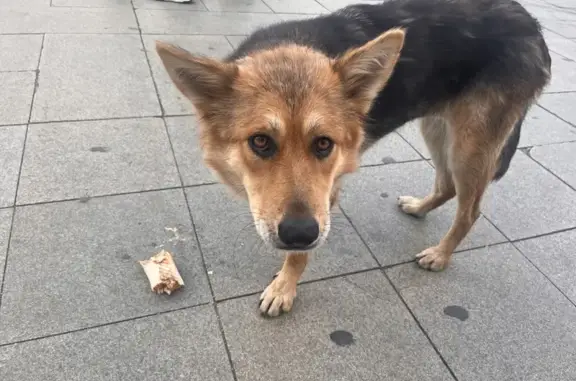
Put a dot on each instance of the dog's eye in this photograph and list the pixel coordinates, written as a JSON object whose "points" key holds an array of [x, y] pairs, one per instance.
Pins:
{"points": [[323, 147], [262, 145]]}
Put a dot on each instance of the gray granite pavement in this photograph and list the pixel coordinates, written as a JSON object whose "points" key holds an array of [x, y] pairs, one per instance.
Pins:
{"points": [[100, 167]]}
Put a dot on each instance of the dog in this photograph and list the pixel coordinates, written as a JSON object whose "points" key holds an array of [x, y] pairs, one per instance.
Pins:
{"points": [[286, 115]]}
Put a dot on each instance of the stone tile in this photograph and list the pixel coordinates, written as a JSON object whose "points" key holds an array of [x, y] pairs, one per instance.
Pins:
{"points": [[560, 159], [84, 159], [17, 4], [184, 137], [5, 220], [529, 201], [563, 74], [180, 345], [93, 3], [563, 28], [114, 82], [174, 22], [541, 127], [411, 132], [554, 256], [235, 40], [369, 199], [392, 148], [237, 6], [16, 93], [197, 5], [67, 20], [561, 105], [519, 327], [173, 101], [560, 45], [74, 264], [20, 52], [296, 6], [387, 343], [11, 146], [236, 257]]}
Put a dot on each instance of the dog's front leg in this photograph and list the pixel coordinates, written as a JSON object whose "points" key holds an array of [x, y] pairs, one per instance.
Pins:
{"points": [[280, 294]]}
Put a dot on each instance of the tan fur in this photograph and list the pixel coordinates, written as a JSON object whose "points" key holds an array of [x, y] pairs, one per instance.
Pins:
{"points": [[295, 94]]}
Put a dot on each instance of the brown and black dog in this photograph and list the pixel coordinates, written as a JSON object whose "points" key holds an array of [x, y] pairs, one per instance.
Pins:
{"points": [[290, 112]]}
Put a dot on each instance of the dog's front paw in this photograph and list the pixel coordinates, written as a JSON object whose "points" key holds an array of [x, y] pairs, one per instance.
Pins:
{"points": [[433, 258], [278, 296], [410, 205]]}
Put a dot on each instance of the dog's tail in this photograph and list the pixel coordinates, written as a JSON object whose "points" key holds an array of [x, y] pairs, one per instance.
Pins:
{"points": [[510, 148]]}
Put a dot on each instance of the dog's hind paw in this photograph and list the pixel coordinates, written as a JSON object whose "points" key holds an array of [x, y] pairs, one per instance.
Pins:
{"points": [[410, 205], [278, 296], [433, 259]]}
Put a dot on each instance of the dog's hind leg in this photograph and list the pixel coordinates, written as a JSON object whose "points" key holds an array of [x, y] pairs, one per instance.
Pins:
{"points": [[479, 128], [435, 132]]}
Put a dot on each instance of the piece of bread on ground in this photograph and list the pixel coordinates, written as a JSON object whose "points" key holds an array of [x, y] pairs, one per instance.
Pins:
{"points": [[162, 273]]}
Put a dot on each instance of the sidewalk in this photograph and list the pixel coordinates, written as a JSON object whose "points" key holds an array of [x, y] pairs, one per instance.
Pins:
{"points": [[100, 168]]}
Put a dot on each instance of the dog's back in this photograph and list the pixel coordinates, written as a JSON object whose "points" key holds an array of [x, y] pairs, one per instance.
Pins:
{"points": [[451, 47]]}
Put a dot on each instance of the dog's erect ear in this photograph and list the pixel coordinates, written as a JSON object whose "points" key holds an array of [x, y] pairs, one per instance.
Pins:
{"points": [[201, 79], [365, 70]]}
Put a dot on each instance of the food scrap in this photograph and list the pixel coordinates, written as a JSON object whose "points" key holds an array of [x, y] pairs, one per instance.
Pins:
{"points": [[162, 273]]}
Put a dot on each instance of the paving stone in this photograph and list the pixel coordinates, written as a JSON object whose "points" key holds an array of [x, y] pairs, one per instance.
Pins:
{"points": [[529, 201], [493, 316], [79, 159], [541, 127], [74, 264], [392, 148], [369, 199], [237, 6], [560, 45], [180, 345], [5, 220], [11, 146], [386, 342], [197, 5], [16, 93], [20, 52], [115, 80], [411, 132], [563, 74], [237, 258], [32, 19], [173, 101], [296, 6], [554, 256], [561, 105], [175, 22], [560, 159], [184, 136], [235, 40], [93, 3]]}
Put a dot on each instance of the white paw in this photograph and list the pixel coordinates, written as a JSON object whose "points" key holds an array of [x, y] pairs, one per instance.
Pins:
{"points": [[410, 205], [433, 259], [278, 296]]}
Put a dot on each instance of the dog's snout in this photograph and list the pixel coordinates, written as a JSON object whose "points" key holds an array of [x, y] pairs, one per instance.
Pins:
{"points": [[298, 232]]}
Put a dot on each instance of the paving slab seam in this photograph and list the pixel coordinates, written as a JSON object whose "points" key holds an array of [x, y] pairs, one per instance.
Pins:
{"points": [[392, 162], [91, 119], [413, 147], [149, 66], [529, 147], [263, 1], [20, 168], [16, 71], [401, 298], [543, 235], [104, 324], [527, 153], [544, 275], [75, 33], [556, 115]]}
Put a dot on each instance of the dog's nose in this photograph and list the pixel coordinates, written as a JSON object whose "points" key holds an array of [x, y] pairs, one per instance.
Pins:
{"points": [[298, 232]]}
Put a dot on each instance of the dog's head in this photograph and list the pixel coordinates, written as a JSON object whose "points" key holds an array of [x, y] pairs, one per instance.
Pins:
{"points": [[281, 126]]}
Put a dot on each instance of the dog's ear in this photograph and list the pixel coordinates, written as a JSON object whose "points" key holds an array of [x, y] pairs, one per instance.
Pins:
{"points": [[200, 79], [365, 70]]}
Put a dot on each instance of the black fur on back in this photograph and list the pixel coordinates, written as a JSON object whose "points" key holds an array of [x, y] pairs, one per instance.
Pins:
{"points": [[451, 47]]}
